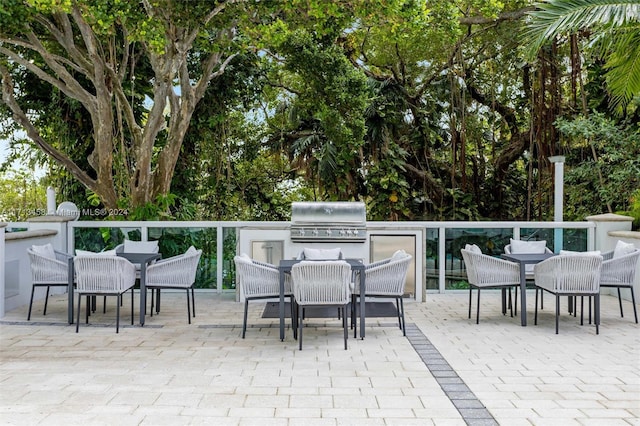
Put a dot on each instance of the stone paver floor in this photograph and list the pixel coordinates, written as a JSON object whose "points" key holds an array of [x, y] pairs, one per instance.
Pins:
{"points": [[447, 371]]}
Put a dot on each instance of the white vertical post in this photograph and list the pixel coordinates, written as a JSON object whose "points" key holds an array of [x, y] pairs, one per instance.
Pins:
{"points": [[2, 272], [442, 258], [558, 199], [51, 201], [219, 258]]}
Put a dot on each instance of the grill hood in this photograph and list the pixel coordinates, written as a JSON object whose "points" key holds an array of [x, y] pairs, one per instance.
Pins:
{"points": [[328, 221]]}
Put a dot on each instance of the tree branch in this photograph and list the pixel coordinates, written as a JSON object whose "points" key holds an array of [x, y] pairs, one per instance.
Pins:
{"points": [[504, 16], [21, 117]]}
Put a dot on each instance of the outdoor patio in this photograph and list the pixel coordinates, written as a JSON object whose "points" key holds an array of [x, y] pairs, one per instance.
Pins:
{"points": [[447, 371]]}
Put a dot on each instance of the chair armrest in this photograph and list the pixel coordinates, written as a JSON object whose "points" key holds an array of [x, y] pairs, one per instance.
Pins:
{"points": [[259, 270], [569, 274], [493, 270], [265, 264], [62, 256], [176, 270], [620, 270], [260, 280], [46, 270], [377, 264], [607, 255], [387, 278], [168, 259]]}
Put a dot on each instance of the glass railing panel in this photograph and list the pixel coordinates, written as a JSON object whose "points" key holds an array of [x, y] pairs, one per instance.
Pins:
{"points": [[572, 239], [103, 238], [538, 234], [174, 241], [229, 247], [490, 240], [431, 259]]}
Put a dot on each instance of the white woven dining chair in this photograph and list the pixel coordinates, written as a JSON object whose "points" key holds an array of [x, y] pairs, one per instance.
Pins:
{"points": [[176, 273], [524, 247], [570, 275], [321, 283], [385, 279], [259, 281], [49, 268], [129, 246], [103, 276], [620, 272], [484, 272]]}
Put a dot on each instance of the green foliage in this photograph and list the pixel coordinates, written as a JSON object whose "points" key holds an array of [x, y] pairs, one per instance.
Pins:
{"points": [[458, 285], [175, 241], [100, 239], [618, 161], [22, 196], [395, 102], [326, 112], [390, 195], [160, 209], [615, 29], [634, 209]]}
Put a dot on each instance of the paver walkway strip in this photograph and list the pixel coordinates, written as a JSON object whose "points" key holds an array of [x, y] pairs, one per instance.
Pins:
{"points": [[473, 412]]}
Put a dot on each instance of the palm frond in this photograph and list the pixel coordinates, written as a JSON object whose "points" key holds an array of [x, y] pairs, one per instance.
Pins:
{"points": [[623, 69], [327, 163], [555, 17]]}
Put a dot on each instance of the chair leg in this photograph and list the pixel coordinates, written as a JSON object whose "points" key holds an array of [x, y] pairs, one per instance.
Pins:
{"points": [[478, 308], [244, 322], [104, 304], [352, 310], [132, 306], [404, 324], [344, 325], [398, 309], [89, 303], [294, 317], [355, 319], [46, 301], [31, 303], [300, 318], [152, 300], [79, 306], [470, 296], [354, 314], [515, 302], [596, 314], [582, 309], [541, 300], [535, 316], [193, 303], [510, 304], [633, 300], [620, 302], [557, 311], [118, 313], [188, 307]]}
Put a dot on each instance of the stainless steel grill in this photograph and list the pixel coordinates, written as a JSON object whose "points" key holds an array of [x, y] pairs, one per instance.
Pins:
{"points": [[328, 221]]}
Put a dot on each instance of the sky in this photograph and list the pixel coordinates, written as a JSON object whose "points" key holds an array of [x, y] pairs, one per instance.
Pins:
{"points": [[4, 152]]}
